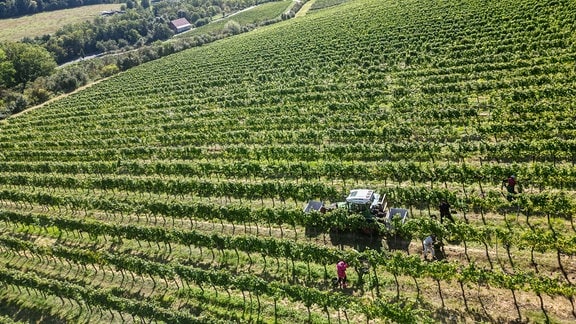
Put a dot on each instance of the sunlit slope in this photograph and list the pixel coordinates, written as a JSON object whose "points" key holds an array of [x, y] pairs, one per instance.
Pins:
{"points": [[194, 168]]}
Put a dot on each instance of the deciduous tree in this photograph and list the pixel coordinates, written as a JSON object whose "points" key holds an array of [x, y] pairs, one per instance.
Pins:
{"points": [[29, 62], [6, 69]]}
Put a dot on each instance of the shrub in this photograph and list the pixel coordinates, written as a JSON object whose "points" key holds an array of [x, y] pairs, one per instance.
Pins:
{"points": [[16, 102], [232, 27], [38, 95], [109, 70], [67, 80]]}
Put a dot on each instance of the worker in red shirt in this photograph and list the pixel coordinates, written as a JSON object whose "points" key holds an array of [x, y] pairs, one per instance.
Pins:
{"points": [[341, 270]]}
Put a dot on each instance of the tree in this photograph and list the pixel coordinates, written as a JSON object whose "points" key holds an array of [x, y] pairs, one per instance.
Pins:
{"points": [[145, 4], [129, 61], [6, 69], [29, 62], [22, 6], [161, 32], [130, 4], [194, 17], [68, 80], [15, 102], [109, 70], [233, 27]]}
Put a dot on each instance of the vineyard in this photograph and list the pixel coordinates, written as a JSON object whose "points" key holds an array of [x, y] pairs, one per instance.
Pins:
{"points": [[173, 192]]}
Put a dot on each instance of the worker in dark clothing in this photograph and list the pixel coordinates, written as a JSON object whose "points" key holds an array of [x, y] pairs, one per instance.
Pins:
{"points": [[510, 184], [445, 211]]}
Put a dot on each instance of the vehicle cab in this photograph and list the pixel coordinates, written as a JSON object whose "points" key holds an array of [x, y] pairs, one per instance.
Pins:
{"points": [[362, 201]]}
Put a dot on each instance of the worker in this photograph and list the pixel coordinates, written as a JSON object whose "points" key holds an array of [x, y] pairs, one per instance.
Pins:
{"points": [[510, 184], [445, 211], [428, 244], [341, 270], [363, 269]]}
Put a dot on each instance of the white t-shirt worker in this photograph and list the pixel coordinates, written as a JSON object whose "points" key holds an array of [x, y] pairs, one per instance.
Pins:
{"points": [[429, 246]]}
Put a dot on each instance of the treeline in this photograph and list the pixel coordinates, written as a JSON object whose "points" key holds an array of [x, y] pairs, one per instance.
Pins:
{"points": [[135, 27], [15, 8]]}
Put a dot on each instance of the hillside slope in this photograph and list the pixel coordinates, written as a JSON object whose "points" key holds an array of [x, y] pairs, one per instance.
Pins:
{"points": [[173, 191]]}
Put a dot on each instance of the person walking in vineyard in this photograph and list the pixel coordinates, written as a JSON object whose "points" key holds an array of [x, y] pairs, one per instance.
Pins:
{"points": [[341, 270], [428, 247], [510, 184], [445, 211]]}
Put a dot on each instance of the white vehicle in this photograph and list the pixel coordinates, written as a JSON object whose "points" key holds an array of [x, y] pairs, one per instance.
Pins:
{"points": [[367, 202], [360, 200]]}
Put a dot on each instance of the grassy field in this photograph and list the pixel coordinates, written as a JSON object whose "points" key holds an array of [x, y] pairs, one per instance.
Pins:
{"points": [[14, 29], [173, 192]]}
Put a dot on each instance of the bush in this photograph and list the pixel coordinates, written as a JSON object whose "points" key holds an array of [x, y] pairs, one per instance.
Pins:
{"points": [[67, 80], [109, 70], [232, 27], [38, 95], [201, 22], [129, 61], [106, 46], [16, 103]]}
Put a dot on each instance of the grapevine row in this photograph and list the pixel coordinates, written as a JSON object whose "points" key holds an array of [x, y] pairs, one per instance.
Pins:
{"points": [[275, 248], [542, 174]]}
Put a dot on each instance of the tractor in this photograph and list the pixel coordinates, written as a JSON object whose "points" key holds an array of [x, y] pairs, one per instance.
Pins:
{"points": [[367, 211]]}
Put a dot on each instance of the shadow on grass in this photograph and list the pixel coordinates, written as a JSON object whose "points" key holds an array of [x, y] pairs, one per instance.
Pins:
{"points": [[398, 243], [444, 315], [21, 312], [358, 241]]}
